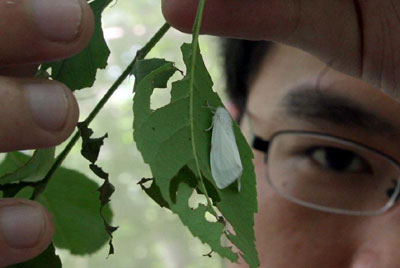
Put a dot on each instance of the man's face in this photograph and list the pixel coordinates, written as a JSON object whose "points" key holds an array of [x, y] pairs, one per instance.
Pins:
{"points": [[290, 235]]}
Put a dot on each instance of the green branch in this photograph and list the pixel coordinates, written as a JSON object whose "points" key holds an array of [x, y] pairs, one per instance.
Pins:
{"points": [[41, 186]]}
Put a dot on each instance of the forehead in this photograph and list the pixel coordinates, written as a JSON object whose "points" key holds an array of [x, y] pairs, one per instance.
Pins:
{"points": [[286, 70]]}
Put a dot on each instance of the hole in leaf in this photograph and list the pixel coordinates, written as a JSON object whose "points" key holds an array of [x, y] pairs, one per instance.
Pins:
{"points": [[225, 241], [196, 199], [2, 157], [160, 98], [229, 228], [210, 217]]}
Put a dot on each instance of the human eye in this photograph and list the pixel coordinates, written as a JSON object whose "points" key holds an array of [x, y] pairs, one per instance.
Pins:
{"points": [[330, 172], [337, 159]]}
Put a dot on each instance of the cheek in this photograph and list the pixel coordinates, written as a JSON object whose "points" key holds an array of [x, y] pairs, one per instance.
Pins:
{"points": [[288, 233]]}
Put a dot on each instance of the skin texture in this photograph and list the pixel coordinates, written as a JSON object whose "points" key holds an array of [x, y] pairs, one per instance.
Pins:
{"points": [[22, 49], [358, 37], [288, 233]]}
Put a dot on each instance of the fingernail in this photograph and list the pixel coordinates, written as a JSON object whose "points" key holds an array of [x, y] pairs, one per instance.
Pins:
{"points": [[58, 20], [49, 105], [22, 225]]}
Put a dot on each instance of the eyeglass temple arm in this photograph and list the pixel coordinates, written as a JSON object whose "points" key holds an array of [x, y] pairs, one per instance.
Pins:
{"points": [[260, 144]]}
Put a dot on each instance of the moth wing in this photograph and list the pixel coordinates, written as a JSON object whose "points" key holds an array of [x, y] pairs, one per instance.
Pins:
{"points": [[226, 166]]}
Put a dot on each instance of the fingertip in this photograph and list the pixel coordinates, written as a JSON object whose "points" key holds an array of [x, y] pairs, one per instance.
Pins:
{"points": [[37, 113], [54, 109], [251, 20], [51, 50], [71, 119], [74, 113], [48, 30], [179, 14], [26, 230]]}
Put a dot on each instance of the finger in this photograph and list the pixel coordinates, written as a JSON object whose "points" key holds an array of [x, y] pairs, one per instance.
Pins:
{"points": [[233, 18], [312, 25], [35, 113], [26, 229], [43, 30], [20, 70]]}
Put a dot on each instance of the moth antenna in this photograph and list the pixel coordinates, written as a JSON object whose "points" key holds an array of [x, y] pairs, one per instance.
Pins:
{"points": [[207, 105]]}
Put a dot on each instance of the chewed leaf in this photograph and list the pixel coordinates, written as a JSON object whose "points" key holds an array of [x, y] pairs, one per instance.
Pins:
{"points": [[143, 67], [80, 70], [90, 146], [172, 139], [18, 167], [194, 219], [90, 150]]}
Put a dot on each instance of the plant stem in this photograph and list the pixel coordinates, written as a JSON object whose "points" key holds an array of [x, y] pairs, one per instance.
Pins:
{"points": [[139, 55], [195, 48], [41, 186]]}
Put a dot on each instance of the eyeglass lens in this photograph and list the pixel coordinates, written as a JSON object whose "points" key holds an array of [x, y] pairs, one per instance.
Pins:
{"points": [[330, 172]]}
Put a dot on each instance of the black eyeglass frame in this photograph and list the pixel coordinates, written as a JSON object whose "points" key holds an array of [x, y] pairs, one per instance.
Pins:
{"points": [[262, 145]]}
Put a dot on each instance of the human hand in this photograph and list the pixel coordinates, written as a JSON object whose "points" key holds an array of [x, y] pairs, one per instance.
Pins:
{"points": [[35, 113], [360, 38]]}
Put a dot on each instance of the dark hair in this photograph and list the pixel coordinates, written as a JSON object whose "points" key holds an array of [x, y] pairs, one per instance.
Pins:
{"points": [[242, 59]]}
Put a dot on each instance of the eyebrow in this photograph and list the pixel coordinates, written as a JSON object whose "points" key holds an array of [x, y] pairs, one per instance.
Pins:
{"points": [[314, 105]]}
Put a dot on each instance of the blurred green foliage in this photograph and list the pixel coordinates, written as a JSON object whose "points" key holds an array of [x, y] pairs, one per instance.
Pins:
{"points": [[148, 237]]}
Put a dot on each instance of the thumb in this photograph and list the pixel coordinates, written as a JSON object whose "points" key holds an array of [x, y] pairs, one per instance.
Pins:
{"points": [[313, 26], [26, 230]]}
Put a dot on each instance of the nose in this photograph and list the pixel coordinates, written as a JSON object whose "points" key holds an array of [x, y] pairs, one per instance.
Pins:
{"points": [[379, 244]]}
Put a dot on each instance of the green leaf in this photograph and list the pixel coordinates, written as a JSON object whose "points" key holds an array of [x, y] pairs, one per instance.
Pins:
{"points": [[173, 141], [47, 258], [80, 70], [15, 190], [18, 167], [194, 219], [72, 199]]}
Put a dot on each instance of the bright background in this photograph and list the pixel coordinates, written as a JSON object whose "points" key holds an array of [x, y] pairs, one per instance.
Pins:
{"points": [[148, 236]]}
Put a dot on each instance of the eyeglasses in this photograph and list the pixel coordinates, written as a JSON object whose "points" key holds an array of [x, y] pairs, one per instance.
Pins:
{"points": [[329, 173]]}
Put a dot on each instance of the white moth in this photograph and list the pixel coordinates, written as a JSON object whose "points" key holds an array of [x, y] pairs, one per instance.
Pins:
{"points": [[226, 166]]}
